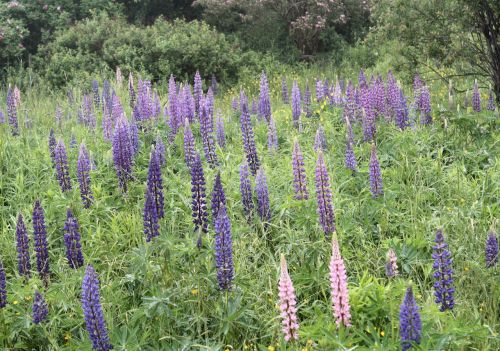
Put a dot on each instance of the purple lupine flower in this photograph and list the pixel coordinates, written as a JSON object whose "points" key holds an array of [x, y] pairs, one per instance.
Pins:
{"points": [[206, 131], [150, 216], [3, 286], [95, 90], [134, 137], [248, 136], [361, 78], [12, 112], [107, 126], [246, 189], [88, 118], [491, 103], [131, 90], [22, 243], [72, 141], [72, 241], [368, 119], [443, 273], [350, 103], [83, 175], [190, 109], [155, 183], [491, 251], [307, 101], [476, 98], [320, 140], [264, 100], [272, 136], [392, 94], [299, 173], [218, 197], [209, 101], [284, 91], [52, 146], [198, 205], [338, 283], [160, 150], [40, 308], [410, 326], [62, 166], [296, 110], [401, 109], [350, 157], [376, 187], [262, 192], [40, 239], [92, 311], [220, 130], [122, 152], [319, 90], [224, 250], [2, 117], [391, 265], [116, 107], [287, 303], [254, 109], [425, 106], [189, 144], [336, 97], [324, 196], [198, 92]]}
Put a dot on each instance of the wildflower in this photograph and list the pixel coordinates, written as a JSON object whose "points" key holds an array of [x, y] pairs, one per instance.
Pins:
{"points": [[491, 252], [324, 196], [476, 98], [61, 160], [123, 152], [223, 250], [40, 236], [218, 197], [23, 255], [198, 92], [12, 112], [264, 100], [150, 216], [198, 204], [410, 326], [491, 103], [375, 174], [248, 136], [220, 130], [287, 304], [72, 241], [155, 183], [307, 101], [3, 286], [206, 131], [272, 135], [299, 173], [443, 273], [391, 266], [262, 191], [83, 175], [40, 309], [189, 144], [296, 109], [338, 281], [246, 189], [320, 140]]}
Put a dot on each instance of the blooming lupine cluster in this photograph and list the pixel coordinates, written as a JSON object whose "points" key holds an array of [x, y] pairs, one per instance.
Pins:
{"points": [[299, 173], [350, 156], [40, 239], [207, 131], [320, 140], [296, 98], [287, 304], [155, 183], [189, 144], [131, 90], [40, 308], [87, 116], [443, 273], [198, 204], [3, 286], [160, 150], [150, 216], [92, 311], [401, 107], [223, 250], [262, 192], [12, 112], [319, 90], [476, 98], [22, 243], [248, 136], [491, 251], [376, 187], [61, 160], [83, 175], [410, 326], [324, 196], [264, 100], [391, 265], [72, 241], [338, 283], [491, 103], [198, 92], [123, 152], [246, 189], [220, 130]]}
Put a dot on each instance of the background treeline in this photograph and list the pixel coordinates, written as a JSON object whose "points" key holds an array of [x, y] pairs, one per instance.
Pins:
{"points": [[67, 41]]}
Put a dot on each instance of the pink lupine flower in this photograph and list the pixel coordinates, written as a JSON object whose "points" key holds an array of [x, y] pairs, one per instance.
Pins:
{"points": [[338, 281], [287, 303]]}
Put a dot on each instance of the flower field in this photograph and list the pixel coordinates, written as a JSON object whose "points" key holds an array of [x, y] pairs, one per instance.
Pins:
{"points": [[293, 213]]}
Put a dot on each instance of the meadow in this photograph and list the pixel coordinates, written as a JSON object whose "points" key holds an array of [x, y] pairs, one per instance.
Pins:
{"points": [[165, 293]]}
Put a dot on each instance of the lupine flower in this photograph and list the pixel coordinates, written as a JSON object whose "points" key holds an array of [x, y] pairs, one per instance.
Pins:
{"points": [[122, 152], [150, 217], [220, 130], [491, 104], [272, 135], [40, 309], [320, 140], [62, 166], [401, 118], [3, 286], [189, 144], [476, 98], [198, 205], [40, 238], [361, 78], [12, 113], [307, 101], [350, 157], [368, 124], [376, 187], [224, 250], [296, 98], [338, 283], [22, 243], [52, 146], [443, 273], [319, 90], [160, 150], [72, 241], [410, 326], [262, 192], [264, 100], [284, 91], [206, 131], [491, 252], [83, 175], [92, 311], [248, 136], [255, 108], [17, 96], [88, 117], [299, 173], [131, 90], [218, 197], [198, 92], [155, 183], [425, 106], [324, 196], [391, 265], [287, 303], [246, 189], [72, 141], [134, 137], [2, 117]]}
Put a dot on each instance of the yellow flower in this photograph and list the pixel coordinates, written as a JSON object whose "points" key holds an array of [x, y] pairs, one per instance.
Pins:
{"points": [[271, 348], [15, 302], [382, 333], [194, 292], [466, 269], [27, 298], [67, 337]]}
